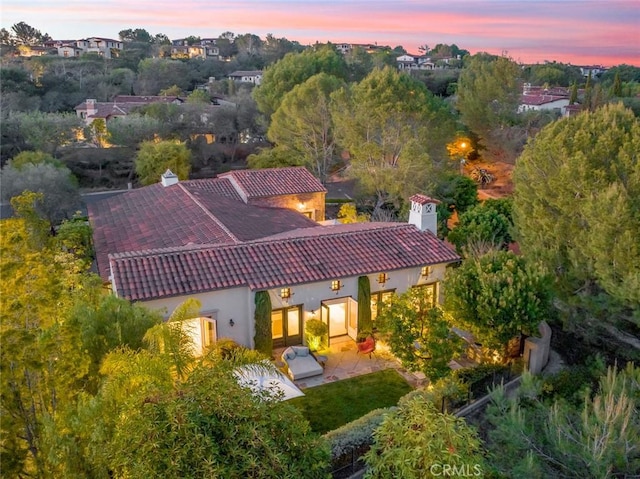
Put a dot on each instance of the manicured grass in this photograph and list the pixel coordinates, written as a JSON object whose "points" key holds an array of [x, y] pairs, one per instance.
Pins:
{"points": [[332, 405]]}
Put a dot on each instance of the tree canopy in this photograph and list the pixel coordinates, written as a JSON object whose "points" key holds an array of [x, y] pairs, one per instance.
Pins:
{"points": [[154, 159], [59, 188], [496, 297], [488, 96], [292, 70], [576, 205], [418, 333], [417, 441], [303, 125], [531, 437], [395, 131]]}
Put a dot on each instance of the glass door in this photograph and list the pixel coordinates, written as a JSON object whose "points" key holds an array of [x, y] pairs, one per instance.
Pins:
{"points": [[286, 326]]}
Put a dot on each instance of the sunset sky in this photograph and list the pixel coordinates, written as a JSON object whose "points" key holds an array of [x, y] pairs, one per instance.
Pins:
{"points": [[581, 32]]}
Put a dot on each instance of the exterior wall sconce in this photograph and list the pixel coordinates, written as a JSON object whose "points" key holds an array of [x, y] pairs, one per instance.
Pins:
{"points": [[285, 294], [301, 205], [425, 271], [383, 278], [232, 322], [336, 285]]}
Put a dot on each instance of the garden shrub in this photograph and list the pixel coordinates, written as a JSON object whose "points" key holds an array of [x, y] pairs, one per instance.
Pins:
{"points": [[482, 377], [316, 334], [570, 384], [356, 434]]}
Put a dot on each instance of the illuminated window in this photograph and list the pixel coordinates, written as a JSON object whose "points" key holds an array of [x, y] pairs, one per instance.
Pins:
{"points": [[383, 278], [426, 271], [336, 285]]}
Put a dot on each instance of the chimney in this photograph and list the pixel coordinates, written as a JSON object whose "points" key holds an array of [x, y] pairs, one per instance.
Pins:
{"points": [[91, 107], [423, 213], [169, 178]]}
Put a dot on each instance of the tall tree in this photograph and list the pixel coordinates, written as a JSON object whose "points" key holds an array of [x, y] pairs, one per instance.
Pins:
{"points": [[529, 437], [41, 362], [487, 226], [418, 333], [395, 131], [27, 35], [497, 297], [48, 131], [57, 185], [154, 159], [303, 124], [292, 70], [488, 95], [576, 209]]}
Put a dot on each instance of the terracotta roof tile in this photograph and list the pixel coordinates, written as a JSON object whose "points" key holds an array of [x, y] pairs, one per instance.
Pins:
{"points": [[274, 181], [423, 199], [317, 254], [219, 186], [151, 217]]}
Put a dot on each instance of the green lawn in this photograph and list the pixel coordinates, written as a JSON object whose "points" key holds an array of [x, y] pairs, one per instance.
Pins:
{"points": [[332, 405]]}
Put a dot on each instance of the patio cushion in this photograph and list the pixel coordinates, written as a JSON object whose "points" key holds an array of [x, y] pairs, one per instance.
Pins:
{"points": [[288, 353], [301, 350]]}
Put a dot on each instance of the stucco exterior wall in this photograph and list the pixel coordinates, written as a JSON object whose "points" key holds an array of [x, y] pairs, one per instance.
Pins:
{"points": [[239, 303], [236, 304]]}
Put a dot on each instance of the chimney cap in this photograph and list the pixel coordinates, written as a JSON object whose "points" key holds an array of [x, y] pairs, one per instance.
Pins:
{"points": [[423, 199], [169, 178]]}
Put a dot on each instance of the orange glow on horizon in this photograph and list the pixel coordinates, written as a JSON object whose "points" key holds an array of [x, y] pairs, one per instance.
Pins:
{"points": [[598, 32]]}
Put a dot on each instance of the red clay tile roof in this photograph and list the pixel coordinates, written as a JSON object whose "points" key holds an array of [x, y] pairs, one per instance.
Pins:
{"points": [[540, 99], [423, 199], [206, 211], [250, 222], [274, 181], [151, 217], [311, 255], [219, 186]]}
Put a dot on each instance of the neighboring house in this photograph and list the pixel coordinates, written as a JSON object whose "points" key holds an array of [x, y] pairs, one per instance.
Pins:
{"points": [[254, 76], [346, 48], [406, 62], [33, 51], [592, 70], [571, 110], [105, 47], [223, 240], [538, 102], [69, 51], [121, 105], [207, 48]]}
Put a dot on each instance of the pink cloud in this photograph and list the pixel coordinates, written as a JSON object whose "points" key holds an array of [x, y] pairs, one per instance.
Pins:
{"points": [[598, 31]]}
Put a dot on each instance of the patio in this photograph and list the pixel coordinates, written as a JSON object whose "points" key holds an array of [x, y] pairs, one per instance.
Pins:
{"points": [[343, 362]]}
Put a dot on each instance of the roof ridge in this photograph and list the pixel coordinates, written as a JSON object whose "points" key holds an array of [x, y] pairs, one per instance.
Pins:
{"points": [[379, 225], [209, 214]]}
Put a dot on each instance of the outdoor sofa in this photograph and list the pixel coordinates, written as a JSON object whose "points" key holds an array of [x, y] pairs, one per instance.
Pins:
{"points": [[300, 363]]}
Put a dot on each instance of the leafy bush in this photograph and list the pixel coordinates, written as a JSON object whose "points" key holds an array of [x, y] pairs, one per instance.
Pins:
{"points": [[355, 434], [570, 384], [316, 333], [482, 377]]}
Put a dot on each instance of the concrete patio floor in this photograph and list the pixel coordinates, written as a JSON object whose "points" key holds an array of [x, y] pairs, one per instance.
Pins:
{"points": [[343, 362]]}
